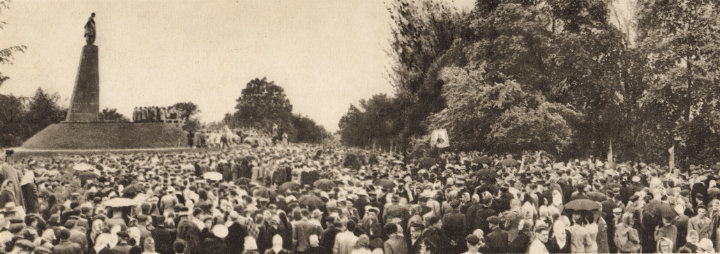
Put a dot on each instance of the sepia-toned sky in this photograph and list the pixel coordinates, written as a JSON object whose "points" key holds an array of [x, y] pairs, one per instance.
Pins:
{"points": [[327, 54]]}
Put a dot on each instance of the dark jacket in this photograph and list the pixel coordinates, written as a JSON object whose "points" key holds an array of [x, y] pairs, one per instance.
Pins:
{"points": [[121, 248], [30, 194], [327, 239], [688, 248], [316, 250], [396, 211], [521, 243], [164, 238], [497, 241], [437, 238], [553, 247], [189, 232], [271, 251], [265, 235], [214, 245], [302, 232], [67, 247], [454, 225], [395, 245], [235, 239], [79, 238]]}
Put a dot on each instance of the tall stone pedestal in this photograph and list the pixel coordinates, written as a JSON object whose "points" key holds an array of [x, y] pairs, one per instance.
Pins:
{"points": [[85, 100]]}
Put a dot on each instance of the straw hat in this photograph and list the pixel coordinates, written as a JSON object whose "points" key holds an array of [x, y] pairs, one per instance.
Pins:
{"points": [[220, 231]]}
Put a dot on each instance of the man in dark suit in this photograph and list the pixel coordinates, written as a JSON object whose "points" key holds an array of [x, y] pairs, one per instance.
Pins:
{"points": [[214, 243], [302, 232], [435, 235], [188, 231], [454, 226], [65, 245], [395, 210], [327, 240], [237, 232], [497, 240], [479, 219], [395, 244], [164, 235], [521, 243]]}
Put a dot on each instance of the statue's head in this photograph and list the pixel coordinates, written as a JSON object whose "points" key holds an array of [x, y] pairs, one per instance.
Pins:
{"points": [[92, 15]]}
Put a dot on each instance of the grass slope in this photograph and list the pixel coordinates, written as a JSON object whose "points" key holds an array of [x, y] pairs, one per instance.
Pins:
{"points": [[111, 135]]}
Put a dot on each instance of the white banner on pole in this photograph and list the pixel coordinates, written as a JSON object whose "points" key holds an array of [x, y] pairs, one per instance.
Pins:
{"points": [[439, 138]]}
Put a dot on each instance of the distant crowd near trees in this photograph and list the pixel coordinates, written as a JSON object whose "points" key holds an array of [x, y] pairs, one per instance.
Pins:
{"points": [[572, 78], [263, 105]]}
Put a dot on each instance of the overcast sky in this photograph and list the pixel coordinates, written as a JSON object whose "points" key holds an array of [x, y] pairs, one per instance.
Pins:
{"points": [[327, 54]]}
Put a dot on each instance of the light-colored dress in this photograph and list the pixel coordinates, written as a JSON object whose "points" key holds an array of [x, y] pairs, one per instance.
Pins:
{"points": [[578, 238], [361, 251], [537, 247], [591, 245]]}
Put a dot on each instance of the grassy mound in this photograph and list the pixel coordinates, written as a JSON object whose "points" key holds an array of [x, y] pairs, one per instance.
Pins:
{"points": [[107, 135]]}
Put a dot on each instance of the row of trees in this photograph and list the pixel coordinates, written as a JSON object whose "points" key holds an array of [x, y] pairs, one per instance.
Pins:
{"points": [[21, 117], [263, 105], [572, 78]]}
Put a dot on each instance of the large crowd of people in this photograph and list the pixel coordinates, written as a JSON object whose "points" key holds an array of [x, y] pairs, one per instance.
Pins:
{"points": [[309, 199]]}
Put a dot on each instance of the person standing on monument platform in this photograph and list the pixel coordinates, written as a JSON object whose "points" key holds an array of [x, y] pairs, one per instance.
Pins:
{"points": [[173, 113], [157, 114], [152, 114], [190, 138], [163, 114], [143, 114]]}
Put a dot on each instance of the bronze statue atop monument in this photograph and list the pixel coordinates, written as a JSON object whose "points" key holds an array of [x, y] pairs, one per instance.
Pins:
{"points": [[90, 29]]}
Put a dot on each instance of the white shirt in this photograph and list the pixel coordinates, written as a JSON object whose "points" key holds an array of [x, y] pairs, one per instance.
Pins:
{"points": [[537, 247]]}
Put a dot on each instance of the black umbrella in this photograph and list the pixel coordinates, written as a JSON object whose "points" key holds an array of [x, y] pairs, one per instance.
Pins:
{"points": [[487, 174], [324, 184], [293, 186], [664, 210], [510, 163], [263, 192], [385, 183], [242, 181], [312, 202], [582, 204], [87, 175], [597, 196], [483, 160], [132, 189]]}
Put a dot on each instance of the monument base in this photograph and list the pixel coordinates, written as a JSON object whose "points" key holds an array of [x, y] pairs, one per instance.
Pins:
{"points": [[107, 135]]}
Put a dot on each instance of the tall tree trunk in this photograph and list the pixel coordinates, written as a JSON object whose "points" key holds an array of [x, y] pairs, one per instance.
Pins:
{"points": [[671, 160], [392, 148], [611, 158]]}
